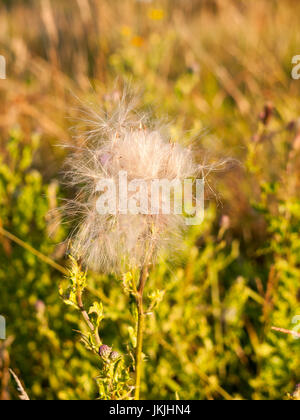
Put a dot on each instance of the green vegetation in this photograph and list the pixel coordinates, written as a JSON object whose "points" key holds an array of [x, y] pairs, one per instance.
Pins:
{"points": [[222, 75]]}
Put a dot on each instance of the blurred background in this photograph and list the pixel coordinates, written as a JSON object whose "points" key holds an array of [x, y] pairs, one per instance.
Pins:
{"points": [[218, 70]]}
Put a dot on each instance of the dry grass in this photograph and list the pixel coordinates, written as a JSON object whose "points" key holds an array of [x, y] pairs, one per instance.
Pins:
{"points": [[216, 68]]}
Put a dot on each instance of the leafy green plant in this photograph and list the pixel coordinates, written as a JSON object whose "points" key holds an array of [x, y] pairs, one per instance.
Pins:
{"points": [[209, 311], [113, 378]]}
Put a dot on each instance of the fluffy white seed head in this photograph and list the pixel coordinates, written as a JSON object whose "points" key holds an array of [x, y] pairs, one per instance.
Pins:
{"points": [[131, 143]]}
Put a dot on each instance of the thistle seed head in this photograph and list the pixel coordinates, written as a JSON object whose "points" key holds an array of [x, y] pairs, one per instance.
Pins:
{"points": [[128, 142]]}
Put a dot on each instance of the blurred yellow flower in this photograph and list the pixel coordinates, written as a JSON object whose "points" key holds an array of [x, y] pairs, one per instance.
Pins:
{"points": [[137, 41], [126, 31], [156, 14]]}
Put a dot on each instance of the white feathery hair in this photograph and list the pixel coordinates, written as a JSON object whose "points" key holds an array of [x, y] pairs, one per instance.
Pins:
{"points": [[131, 142]]}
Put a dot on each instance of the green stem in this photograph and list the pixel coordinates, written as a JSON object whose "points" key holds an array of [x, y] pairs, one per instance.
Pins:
{"points": [[139, 349], [140, 330], [87, 318], [29, 248]]}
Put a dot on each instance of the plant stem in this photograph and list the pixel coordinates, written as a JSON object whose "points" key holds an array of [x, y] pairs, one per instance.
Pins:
{"points": [[140, 331], [284, 331], [29, 248], [139, 348], [23, 396], [87, 318], [48, 261]]}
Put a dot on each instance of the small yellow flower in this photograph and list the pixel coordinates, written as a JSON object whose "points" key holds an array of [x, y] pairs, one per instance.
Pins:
{"points": [[137, 41], [156, 14], [126, 31]]}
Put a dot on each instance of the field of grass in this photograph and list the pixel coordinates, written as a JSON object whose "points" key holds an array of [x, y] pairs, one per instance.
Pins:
{"points": [[220, 72]]}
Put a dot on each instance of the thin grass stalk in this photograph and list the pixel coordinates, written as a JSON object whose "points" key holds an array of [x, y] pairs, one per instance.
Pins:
{"points": [[141, 323]]}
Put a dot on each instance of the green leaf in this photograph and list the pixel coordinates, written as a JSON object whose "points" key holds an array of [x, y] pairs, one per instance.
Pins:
{"points": [[97, 308]]}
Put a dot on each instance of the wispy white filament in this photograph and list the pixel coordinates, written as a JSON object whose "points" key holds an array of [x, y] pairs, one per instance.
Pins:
{"points": [[129, 143]]}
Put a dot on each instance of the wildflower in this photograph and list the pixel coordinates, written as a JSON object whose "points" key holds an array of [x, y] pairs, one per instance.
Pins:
{"points": [[114, 356], [105, 351], [126, 31], [156, 14], [123, 142], [137, 41]]}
